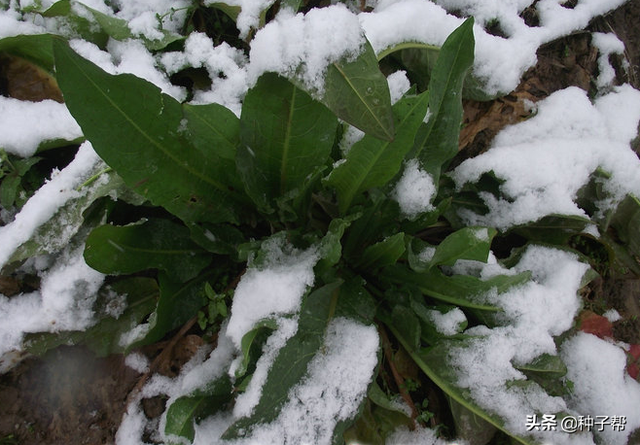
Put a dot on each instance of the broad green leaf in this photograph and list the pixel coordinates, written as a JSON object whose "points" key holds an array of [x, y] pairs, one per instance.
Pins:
{"points": [[626, 222], [213, 128], [140, 294], [138, 131], [356, 302], [372, 162], [152, 244], [459, 290], [290, 365], [231, 11], [186, 410], [285, 136], [437, 142], [249, 340], [553, 229], [384, 253], [419, 255], [216, 238], [330, 247], [470, 243], [36, 48], [407, 324], [418, 58], [433, 362], [377, 221], [357, 92], [547, 371], [178, 303]]}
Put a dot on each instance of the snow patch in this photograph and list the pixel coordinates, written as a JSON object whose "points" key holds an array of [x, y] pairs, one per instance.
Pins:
{"points": [[415, 190], [25, 125]]}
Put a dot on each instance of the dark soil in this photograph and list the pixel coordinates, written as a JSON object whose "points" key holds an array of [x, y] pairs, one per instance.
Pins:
{"points": [[71, 397]]}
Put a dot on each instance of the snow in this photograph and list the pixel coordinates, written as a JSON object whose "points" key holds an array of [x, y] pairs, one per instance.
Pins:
{"points": [[447, 323], [601, 385], [137, 362], [499, 62], [273, 290], [415, 190], [289, 45], [250, 11], [25, 125], [422, 436], [64, 302], [607, 45], [546, 159]]}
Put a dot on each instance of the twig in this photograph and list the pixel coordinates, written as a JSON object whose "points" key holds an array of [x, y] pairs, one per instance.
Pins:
{"points": [[161, 357], [386, 347]]}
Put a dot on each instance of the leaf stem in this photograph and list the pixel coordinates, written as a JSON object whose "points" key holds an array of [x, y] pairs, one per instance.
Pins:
{"points": [[93, 178]]}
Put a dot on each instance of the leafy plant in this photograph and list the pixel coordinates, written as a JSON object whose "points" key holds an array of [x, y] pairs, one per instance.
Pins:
{"points": [[205, 195]]}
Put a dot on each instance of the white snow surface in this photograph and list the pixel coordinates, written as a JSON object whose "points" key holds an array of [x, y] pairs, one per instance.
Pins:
{"points": [[273, 290], [290, 46], [24, 125], [448, 323], [546, 159], [64, 301], [415, 190], [602, 386]]}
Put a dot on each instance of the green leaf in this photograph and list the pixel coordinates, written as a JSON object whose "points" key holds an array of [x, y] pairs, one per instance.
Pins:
{"points": [[285, 136], [470, 243], [357, 92], [249, 340], [553, 229], [547, 371], [459, 290], [36, 48], [213, 128], [290, 365], [102, 26], [377, 221], [384, 253], [216, 238], [372, 162], [9, 190], [626, 222], [152, 244], [137, 130], [438, 140], [407, 324], [186, 410], [178, 303]]}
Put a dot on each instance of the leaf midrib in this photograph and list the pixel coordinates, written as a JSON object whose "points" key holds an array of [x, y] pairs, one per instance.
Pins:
{"points": [[366, 104]]}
